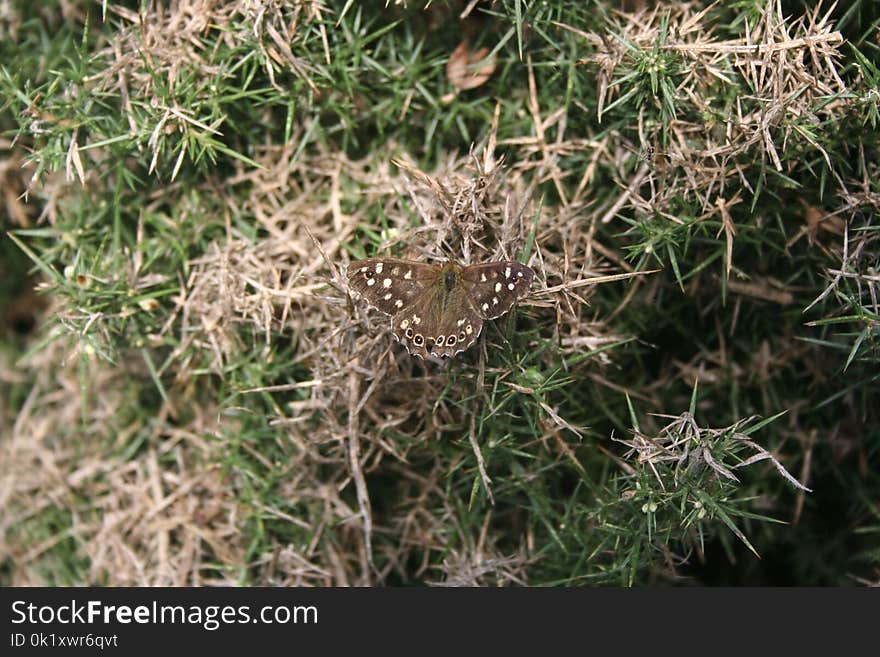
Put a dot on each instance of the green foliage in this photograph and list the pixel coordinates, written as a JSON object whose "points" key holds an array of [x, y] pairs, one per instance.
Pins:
{"points": [[150, 166]]}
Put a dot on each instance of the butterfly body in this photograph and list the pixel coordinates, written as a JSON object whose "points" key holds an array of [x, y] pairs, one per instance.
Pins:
{"points": [[439, 309]]}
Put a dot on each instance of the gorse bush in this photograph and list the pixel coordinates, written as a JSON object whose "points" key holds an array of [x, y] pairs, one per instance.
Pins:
{"points": [[191, 395]]}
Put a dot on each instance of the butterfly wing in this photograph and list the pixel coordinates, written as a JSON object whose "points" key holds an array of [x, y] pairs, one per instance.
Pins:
{"points": [[448, 316], [439, 309], [390, 285], [441, 324], [493, 287]]}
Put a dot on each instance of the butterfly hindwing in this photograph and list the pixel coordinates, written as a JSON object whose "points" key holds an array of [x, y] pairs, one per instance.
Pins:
{"points": [[451, 330]]}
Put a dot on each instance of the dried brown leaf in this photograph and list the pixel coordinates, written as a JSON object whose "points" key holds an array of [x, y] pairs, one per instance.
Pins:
{"points": [[468, 70]]}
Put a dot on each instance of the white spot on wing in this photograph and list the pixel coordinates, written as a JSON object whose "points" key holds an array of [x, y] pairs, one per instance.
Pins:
{"points": [[498, 287], [371, 282], [408, 274], [378, 267], [386, 282], [510, 286], [398, 304]]}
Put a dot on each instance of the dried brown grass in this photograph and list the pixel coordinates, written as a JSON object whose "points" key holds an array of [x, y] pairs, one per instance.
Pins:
{"points": [[137, 521], [149, 521]]}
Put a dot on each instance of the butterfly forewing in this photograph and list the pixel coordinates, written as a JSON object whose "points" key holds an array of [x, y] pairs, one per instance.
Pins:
{"points": [[494, 287], [391, 285]]}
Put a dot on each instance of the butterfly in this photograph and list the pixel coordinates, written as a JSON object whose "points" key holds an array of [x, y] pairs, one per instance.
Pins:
{"points": [[439, 309]]}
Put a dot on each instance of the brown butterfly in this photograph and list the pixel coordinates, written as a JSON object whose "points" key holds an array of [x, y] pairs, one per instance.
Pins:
{"points": [[439, 309]]}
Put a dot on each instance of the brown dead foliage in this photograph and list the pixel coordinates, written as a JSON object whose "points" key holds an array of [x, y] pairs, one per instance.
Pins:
{"points": [[165, 514], [12, 182], [363, 387], [160, 516], [468, 69]]}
